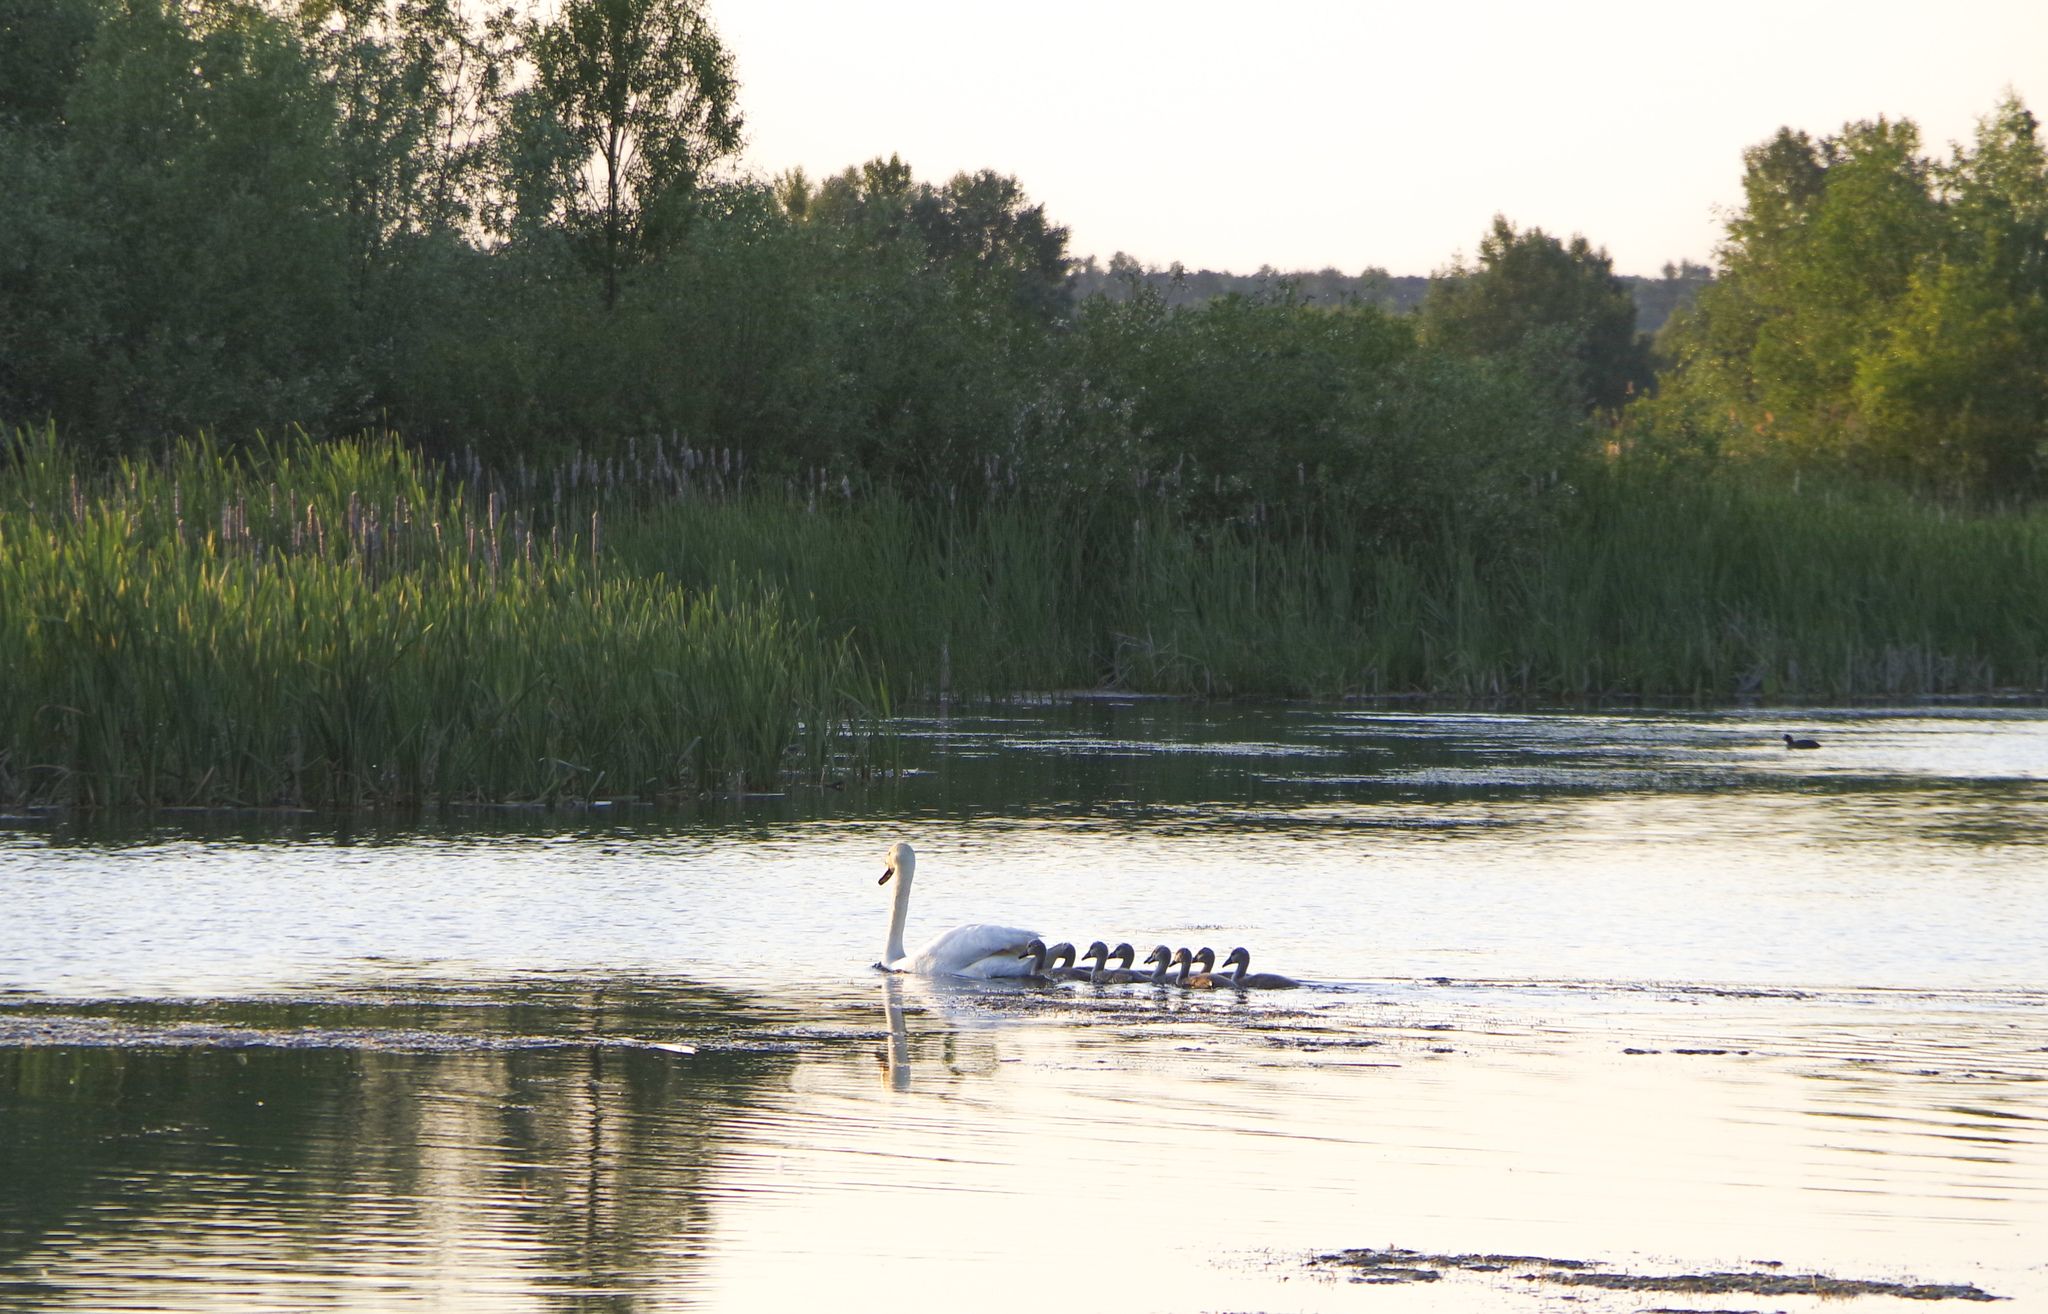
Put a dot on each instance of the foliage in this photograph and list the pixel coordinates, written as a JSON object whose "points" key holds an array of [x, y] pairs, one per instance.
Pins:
{"points": [[637, 99], [508, 238], [1252, 409], [336, 624], [1879, 311], [1530, 287]]}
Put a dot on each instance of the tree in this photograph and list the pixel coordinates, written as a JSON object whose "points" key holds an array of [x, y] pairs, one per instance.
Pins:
{"points": [[638, 100], [980, 224], [418, 88], [1531, 283], [1879, 310], [188, 271]]}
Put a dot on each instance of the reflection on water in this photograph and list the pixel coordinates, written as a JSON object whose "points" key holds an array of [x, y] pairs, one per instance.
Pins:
{"points": [[1172, 1152], [1645, 990], [285, 1155]]}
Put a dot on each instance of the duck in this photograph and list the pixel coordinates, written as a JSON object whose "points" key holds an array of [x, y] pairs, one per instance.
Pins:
{"points": [[1238, 980], [1790, 742], [977, 951]]}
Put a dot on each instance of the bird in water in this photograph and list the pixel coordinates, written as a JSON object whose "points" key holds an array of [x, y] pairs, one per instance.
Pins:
{"points": [[1123, 953], [1241, 957], [1790, 742], [1206, 979], [1060, 957], [1036, 953], [1098, 954], [979, 951], [1164, 957], [1063, 968]]}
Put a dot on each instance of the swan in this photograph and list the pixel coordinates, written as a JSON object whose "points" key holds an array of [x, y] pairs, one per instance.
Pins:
{"points": [[1164, 957], [1206, 979], [1123, 953], [1790, 742], [1036, 953], [1061, 955], [972, 951], [1237, 980]]}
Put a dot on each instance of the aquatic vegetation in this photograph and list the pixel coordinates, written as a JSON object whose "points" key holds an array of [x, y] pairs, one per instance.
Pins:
{"points": [[339, 624], [343, 623], [1395, 1266]]}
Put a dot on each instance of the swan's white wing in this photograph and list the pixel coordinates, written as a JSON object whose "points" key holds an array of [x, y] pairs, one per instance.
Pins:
{"points": [[971, 951]]}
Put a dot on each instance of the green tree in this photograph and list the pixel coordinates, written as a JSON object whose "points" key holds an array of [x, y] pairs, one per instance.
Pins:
{"points": [[40, 58], [1531, 286], [189, 270], [1878, 310], [981, 224], [633, 102]]}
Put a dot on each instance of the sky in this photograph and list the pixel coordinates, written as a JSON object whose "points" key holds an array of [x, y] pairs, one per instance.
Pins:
{"points": [[1305, 134]]}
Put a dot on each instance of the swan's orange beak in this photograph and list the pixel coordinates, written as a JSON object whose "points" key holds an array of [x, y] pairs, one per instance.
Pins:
{"points": [[887, 872]]}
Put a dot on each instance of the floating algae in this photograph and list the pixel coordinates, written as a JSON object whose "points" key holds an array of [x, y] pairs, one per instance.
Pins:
{"points": [[1400, 1266]]}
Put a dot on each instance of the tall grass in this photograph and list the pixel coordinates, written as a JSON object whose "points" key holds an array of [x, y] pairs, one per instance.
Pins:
{"points": [[344, 623], [1647, 585], [337, 624]]}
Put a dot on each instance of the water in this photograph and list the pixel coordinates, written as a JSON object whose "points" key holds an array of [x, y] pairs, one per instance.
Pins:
{"points": [[1646, 990]]}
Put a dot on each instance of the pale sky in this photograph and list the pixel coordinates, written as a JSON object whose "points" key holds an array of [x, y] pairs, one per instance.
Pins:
{"points": [[1310, 133]]}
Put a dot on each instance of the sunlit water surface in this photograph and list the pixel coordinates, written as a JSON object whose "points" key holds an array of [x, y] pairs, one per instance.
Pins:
{"points": [[1643, 989]]}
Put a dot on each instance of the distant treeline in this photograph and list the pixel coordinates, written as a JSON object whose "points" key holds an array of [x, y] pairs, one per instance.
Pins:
{"points": [[1656, 299], [522, 236], [520, 241]]}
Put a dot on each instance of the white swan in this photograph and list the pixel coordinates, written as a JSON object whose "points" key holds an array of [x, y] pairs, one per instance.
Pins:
{"points": [[973, 951]]}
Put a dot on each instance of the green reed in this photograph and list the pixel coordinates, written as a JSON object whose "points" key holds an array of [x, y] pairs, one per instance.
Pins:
{"points": [[339, 624], [348, 623], [1708, 587]]}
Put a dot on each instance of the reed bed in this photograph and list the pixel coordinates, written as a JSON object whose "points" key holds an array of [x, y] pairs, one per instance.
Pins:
{"points": [[1647, 585], [339, 624]]}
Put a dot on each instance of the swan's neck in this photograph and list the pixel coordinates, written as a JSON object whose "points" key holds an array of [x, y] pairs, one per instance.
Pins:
{"points": [[899, 912]]}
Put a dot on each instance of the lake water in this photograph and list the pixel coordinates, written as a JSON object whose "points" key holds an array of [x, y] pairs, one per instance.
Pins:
{"points": [[1645, 990]]}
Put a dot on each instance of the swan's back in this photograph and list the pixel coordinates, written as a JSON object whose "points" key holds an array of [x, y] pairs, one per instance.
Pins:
{"points": [[978, 950]]}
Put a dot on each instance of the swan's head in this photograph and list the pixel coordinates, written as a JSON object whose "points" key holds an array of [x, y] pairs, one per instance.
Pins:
{"points": [[902, 861], [1123, 953], [1180, 956], [1239, 955], [1206, 957], [1160, 954], [1035, 949], [1096, 950]]}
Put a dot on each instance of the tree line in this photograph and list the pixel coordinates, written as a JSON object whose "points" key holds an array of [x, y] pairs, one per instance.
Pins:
{"points": [[1656, 299], [1878, 310], [522, 236]]}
